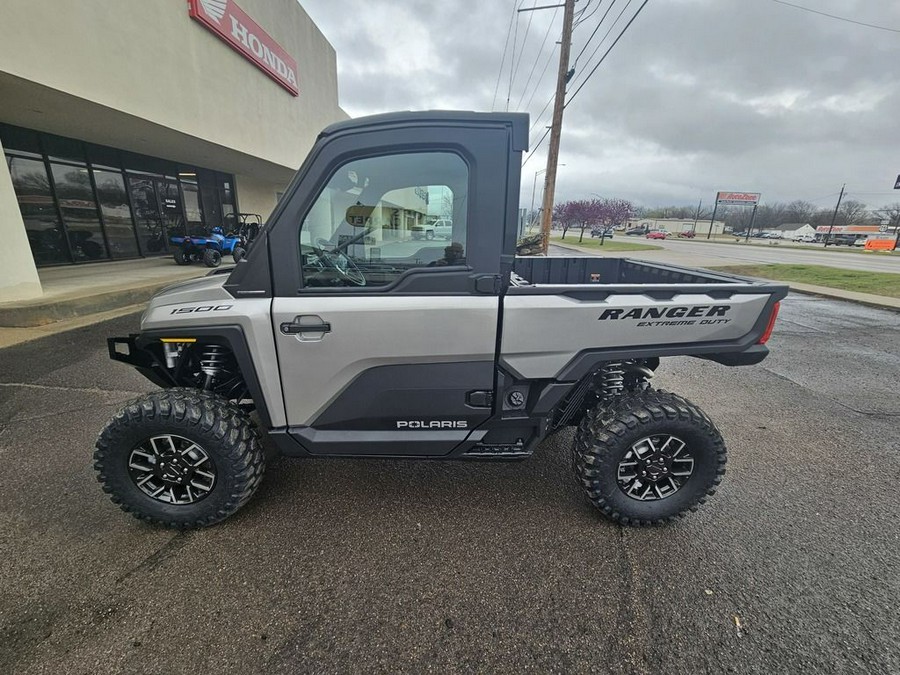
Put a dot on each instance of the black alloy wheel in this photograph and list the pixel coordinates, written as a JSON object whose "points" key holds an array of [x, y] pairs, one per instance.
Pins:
{"points": [[648, 457], [172, 469], [180, 458]]}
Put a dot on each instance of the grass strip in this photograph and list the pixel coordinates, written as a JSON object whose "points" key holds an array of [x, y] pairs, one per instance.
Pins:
{"points": [[611, 245], [876, 283]]}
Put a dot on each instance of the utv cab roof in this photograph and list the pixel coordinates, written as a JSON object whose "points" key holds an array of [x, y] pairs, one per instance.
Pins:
{"points": [[518, 122]]}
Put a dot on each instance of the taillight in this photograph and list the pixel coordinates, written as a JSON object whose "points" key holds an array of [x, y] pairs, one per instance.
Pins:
{"points": [[768, 332]]}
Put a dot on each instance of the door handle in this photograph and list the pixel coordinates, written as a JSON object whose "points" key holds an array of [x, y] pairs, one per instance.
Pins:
{"points": [[294, 328]]}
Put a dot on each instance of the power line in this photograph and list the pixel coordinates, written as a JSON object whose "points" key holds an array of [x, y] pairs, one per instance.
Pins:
{"points": [[599, 23], [839, 18], [537, 58], [515, 70], [541, 79], [537, 145], [582, 18], [603, 58], [512, 57], [541, 114], [609, 30], [503, 58]]}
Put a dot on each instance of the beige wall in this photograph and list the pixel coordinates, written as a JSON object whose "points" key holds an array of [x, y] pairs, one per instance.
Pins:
{"points": [[149, 60], [257, 196], [18, 276]]}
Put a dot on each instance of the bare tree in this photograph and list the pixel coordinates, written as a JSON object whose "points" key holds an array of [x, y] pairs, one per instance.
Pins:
{"points": [[799, 211], [853, 212], [892, 214]]}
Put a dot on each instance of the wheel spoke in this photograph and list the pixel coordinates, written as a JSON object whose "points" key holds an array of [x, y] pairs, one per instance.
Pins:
{"points": [[655, 467], [160, 464], [192, 446]]}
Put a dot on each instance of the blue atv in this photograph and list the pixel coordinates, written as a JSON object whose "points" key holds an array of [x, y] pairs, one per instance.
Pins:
{"points": [[209, 249]]}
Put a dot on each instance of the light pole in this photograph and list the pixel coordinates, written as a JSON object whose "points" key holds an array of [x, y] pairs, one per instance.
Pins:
{"points": [[534, 189]]}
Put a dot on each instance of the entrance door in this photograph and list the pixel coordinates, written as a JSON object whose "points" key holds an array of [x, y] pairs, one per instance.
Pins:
{"points": [[171, 210], [147, 215]]}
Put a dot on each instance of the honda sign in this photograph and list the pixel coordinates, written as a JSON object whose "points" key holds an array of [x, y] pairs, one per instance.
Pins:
{"points": [[232, 25]]}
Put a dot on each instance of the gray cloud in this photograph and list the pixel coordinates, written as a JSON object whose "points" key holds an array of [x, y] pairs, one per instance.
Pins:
{"points": [[700, 95]]}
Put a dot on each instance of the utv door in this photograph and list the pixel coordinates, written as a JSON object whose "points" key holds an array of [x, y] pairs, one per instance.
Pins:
{"points": [[387, 342]]}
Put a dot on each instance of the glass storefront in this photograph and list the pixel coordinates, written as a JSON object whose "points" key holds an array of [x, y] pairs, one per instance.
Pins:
{"points": [[84, 203]]}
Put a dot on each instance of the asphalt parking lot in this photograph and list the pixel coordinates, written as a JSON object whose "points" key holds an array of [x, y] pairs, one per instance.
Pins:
{"points": [[383, 565]]}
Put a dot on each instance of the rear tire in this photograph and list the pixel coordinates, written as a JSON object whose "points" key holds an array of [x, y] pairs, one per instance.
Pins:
{"points": [[212, 258], [623, 457], [198, 452]]}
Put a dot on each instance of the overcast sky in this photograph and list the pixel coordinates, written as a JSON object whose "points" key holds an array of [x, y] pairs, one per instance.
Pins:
{"points": [[698, 96]]}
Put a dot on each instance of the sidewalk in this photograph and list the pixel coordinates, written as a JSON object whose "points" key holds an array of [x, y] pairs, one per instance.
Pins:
{"points": [[869, 299], [75, 292]]}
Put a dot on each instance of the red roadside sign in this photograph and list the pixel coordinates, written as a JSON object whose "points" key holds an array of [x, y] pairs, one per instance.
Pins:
{"points": [[234, 26], [737, 198]]}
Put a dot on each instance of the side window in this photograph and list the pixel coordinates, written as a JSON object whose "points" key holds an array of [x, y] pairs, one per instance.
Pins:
{"points": [[381, 216]]}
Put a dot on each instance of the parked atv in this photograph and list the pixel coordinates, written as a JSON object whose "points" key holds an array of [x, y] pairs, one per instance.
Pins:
{"points": [[209, 249]]}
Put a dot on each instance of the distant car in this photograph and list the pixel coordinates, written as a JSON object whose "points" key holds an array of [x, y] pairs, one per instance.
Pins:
{"points": [[806, 238], [600, 233], [687, 234], [657, 234], [443, 229], [636, 231]]}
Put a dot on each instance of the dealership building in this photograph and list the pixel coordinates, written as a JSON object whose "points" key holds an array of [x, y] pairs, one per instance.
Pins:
{"points": [[125, 123]]}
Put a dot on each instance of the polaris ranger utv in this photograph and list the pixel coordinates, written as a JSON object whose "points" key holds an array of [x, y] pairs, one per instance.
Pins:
{"points": [[341, 334]]}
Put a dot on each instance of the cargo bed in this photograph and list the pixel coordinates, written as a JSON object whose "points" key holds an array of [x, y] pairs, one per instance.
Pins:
{"points": [[560, 315], [593, 270]]}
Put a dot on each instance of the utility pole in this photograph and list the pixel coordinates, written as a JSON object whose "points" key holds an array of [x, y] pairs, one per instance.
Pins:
{"points": [[713, 219], [556, 128], [697, 217], [834, 215]]}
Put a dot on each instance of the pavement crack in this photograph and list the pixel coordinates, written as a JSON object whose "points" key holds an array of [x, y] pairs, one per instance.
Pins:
{"points": [[44, 416], [632, 616], [86, 390], [865, 413], [158, 557]]}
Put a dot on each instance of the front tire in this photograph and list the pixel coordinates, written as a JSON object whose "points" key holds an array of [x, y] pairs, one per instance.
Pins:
{"points": [[182, 458], [238, 253], [212, 258], [650, 457]]}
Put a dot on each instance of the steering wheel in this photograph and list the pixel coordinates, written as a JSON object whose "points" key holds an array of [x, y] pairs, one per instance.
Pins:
{"points": [[340, 262]]}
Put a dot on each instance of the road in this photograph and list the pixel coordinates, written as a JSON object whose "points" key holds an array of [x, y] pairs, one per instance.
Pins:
{"points": [[686, 252], [384, 565]]}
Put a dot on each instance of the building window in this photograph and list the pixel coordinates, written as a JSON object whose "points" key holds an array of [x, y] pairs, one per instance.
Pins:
{"points": [[98, 203], [78, 208], [32, 188], [116, 213]]}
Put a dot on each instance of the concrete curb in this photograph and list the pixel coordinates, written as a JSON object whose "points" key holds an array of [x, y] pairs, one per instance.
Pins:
{"points": [[877, 301], [34, 314]]}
